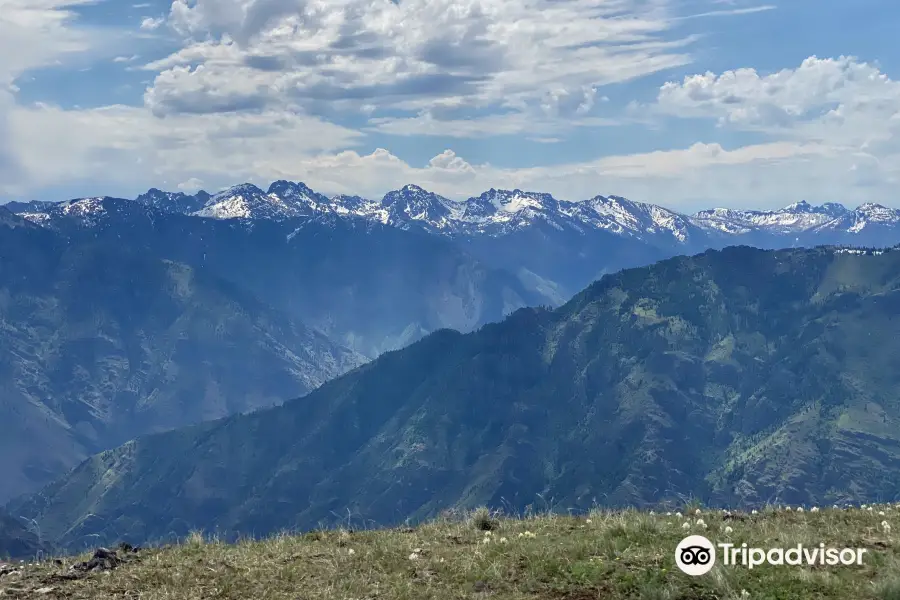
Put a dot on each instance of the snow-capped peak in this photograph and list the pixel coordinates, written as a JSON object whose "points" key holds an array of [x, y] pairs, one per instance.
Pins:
{"points": [[795, 218], [299, 196], [624, 216], [797, 207], [175, 202], [866, 215], [246, 201], [413, 205], [830, 209]]}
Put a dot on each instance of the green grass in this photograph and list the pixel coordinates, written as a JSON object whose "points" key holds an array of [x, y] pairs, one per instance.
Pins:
{"points": [[609, 555]]}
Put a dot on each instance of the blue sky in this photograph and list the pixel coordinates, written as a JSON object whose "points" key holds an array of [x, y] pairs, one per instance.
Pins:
{"points": [[684, 103]]}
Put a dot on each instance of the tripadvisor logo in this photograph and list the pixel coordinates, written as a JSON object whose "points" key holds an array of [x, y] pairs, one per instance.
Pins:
{"points": [[696, 555]]}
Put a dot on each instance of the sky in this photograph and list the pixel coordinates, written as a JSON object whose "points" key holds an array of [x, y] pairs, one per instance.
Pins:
{"points": [[684, 103]]}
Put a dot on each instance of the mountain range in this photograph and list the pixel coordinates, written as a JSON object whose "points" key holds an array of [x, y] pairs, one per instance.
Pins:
{"points": [[739, 376], [553, 247], [498, 212]]}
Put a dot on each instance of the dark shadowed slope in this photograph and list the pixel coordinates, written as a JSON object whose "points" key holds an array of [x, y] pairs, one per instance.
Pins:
{"points": [[737, 376], [100, 344], [16, 540]]}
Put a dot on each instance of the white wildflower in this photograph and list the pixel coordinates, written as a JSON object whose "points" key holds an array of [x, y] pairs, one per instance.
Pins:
{"points": [[886, 526], [728, 530], [869, 508], [814, 509], [488, 534], [745, 594], [413, 556], [668, 514], [686, 525], [754, 512], [697, 512], [351, 551], [503, 540], [588, 521], [486, 540], [678, 514], [880, 513]]}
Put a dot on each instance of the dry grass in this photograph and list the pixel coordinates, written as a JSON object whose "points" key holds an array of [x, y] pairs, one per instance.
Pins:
{"points": [[606, 555]]}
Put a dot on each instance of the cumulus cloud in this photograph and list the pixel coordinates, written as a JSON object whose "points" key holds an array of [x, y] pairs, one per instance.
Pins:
{"points": [[839, 99], [847, 106]]}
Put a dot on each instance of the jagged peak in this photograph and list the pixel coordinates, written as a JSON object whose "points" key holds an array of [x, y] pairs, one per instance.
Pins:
{"points": [[241, 188], [283, 184], [871, 206], [803, 205]]}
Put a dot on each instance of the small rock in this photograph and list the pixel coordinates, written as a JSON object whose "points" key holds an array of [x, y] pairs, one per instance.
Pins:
{"points": [[103, 560]]}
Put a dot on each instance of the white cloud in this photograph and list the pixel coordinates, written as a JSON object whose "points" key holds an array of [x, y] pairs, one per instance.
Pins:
{"points": [[509, 123], [152, 23], [34, 33], [190, 186], [846, 106], [730, 12], [530, 56], [700, 176], [837, 100], [128, 146]]}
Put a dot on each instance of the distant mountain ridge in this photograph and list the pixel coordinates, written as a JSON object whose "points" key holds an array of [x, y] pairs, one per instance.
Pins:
{"points": [[499, 212], [553, 247]]}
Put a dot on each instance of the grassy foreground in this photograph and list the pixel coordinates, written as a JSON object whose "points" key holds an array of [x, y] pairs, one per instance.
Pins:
{"points": [[604, 555]]}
